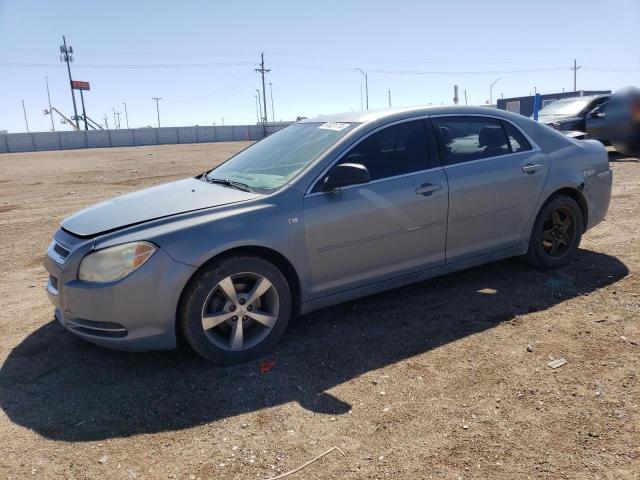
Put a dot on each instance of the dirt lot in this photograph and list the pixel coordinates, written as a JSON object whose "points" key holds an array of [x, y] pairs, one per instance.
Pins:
{"points": [[433, 380]]}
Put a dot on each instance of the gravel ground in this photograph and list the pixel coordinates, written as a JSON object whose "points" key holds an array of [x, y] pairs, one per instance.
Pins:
{"points": [[443, 379]]}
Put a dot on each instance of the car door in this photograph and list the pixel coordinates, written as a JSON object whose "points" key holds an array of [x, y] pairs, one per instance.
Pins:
{"points": [[495, 175], [393, 225], [595, 123]]}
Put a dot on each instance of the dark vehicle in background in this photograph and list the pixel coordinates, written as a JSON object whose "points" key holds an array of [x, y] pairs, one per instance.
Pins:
{"points": [[611, 119], [582, 117]]}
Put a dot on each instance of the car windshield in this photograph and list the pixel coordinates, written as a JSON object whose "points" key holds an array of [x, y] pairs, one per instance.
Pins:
{"points": [[569, 106], [272, 162]]}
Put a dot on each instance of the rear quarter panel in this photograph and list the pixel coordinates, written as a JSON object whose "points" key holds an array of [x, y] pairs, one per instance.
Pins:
{"points": [[582, 165]]}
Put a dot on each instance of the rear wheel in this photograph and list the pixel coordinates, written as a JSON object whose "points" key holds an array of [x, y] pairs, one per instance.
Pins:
{"points": [[236, 309], [556, 233]]}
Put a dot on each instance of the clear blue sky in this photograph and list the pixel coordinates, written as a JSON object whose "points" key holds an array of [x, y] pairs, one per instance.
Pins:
{"points": [[131, 51]]}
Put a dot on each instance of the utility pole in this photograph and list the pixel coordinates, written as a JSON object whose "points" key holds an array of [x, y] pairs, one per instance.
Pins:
{"points": [[575, 71], [262, 71], [118, 114], [106, 121], [389, 92], [126, 114], [361, 97], [491, 90], [273, 112], [25, 115], [157, 99], [465, 97], [67, 56], [223, 121], [366, 85], [84, 112], [115, 122], [46, 79]]}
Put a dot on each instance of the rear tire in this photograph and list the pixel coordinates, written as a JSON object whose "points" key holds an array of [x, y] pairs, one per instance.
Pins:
{"points": [[235, 309], [556, 233]]}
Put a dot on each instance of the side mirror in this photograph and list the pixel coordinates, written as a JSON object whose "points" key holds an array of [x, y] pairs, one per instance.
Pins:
{"points": [[344, 175]]}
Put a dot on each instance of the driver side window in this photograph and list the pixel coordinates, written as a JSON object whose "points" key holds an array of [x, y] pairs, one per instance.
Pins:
{"points": [[393, 151]]}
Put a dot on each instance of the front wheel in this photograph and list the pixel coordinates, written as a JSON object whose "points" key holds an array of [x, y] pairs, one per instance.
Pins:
{"points": [[236, 309], [556, 233]]}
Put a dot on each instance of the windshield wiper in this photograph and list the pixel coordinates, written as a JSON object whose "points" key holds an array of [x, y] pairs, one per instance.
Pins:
{"points": [[229, 183]]}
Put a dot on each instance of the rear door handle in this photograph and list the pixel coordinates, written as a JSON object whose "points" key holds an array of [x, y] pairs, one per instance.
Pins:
{"points": [[531, 168], [427, 189]]}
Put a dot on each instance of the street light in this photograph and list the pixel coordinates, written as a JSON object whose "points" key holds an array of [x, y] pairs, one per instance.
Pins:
{"points": [[260, 104], [366, 85], [273, 114], [157, 99], [491, 90], [126, 114], [257, 110]]}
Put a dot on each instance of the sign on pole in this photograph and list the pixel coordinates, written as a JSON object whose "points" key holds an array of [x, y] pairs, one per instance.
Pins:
{"points": [[80, 85]]}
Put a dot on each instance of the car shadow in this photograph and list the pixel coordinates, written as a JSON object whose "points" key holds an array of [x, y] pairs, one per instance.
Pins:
{"points": [[618, 157], [67, 389]]}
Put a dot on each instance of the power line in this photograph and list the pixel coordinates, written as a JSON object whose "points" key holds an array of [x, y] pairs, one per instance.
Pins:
{"points": [[130, 66], [610, 69], [603, 68]]}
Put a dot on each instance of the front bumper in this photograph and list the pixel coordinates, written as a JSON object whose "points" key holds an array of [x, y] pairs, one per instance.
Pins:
{"points": [[136, 313]]}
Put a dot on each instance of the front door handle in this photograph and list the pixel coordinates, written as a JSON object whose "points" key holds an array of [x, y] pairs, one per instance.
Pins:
{"points": [[427, 189], [531, 168]]}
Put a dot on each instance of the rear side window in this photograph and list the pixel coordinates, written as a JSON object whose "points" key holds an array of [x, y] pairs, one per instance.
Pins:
{"points": [[464, 139], [517, 142], [395, 150]]}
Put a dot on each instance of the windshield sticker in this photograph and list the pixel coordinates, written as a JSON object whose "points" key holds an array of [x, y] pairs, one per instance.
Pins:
{"points": [[336, 126]]}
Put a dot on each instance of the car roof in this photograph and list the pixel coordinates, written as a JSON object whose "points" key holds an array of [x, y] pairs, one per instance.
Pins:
{"points": [[585, 97], [402, 112]]}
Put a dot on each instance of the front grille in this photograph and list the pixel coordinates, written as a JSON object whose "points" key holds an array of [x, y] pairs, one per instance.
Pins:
{"points": [[60, 250]]}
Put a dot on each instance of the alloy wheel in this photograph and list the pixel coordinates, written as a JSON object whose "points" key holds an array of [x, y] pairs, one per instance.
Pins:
{"points": [[240, 311], [558, 232]]}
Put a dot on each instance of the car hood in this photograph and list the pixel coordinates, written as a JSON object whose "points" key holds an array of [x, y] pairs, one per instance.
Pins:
{"points": [[152, 203], [558, 118]]}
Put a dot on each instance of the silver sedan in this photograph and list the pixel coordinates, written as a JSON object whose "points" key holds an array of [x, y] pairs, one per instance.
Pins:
{"points": [[324, 211]]}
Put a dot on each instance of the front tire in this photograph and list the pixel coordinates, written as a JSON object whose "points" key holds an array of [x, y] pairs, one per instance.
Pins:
{"points": [[556, 233], [235, 309]]}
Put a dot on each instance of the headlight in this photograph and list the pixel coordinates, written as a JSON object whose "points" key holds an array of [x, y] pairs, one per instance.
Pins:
{"points": [[114, 263]]}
